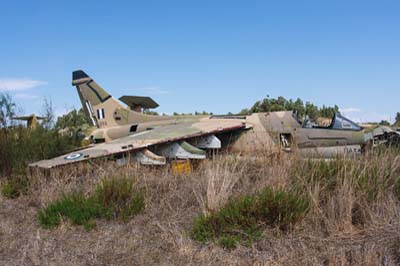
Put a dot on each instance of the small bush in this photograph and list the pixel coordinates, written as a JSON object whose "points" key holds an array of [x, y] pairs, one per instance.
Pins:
{"points": [[243, 219], [115, 198], [79, 209], [119, 198], [15, 187], [229, 241]]}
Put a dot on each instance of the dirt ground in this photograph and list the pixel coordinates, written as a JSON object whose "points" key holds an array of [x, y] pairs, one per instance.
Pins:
{"points": [[160, 235]]}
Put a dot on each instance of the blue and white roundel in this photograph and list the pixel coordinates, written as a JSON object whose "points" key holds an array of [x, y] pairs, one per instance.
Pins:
{"points": [[73, 156]]}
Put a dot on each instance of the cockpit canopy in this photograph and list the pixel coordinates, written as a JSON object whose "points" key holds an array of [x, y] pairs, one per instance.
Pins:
{"points": [[338, 122], [341, 122]]}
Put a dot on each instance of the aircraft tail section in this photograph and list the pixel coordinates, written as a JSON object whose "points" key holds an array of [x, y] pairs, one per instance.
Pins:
{"points": [[97, 103], [91, 90], [105, 111]]}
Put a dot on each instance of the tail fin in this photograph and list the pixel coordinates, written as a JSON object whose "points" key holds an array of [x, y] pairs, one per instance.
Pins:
{"points": [[96, 102]]}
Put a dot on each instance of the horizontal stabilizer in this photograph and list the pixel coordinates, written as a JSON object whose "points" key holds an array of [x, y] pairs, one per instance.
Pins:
{"points": [[30, 117], [144, 102]]}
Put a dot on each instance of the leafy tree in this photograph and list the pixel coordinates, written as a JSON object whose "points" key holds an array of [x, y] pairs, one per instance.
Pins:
{"points": [[255, 108], [312, 111], [328, 112], [397, 119], [74, 119], [384, 123], [20, 146], [299, 106], [149, 112], [7, 110], [202, 113], [48, 114], [245, 112], [282, 104]]}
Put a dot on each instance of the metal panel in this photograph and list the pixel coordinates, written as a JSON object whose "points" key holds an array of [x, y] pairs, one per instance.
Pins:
{"points": [[146, 157], [182, 150], [208, 142]]}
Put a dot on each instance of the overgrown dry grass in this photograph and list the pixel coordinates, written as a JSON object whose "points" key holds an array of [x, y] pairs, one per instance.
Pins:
{"points": [[353, 216], [114, 198]]}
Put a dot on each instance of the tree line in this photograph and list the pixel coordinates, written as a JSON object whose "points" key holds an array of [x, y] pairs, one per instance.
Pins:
{"points": [[282, 104], [76, 118]]}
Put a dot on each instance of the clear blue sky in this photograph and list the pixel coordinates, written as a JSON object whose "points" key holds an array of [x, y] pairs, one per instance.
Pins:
{"points": [[217, 56]]}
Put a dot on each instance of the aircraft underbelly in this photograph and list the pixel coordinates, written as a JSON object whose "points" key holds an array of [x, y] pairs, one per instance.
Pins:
{"points": [[310, 138], [331, 152]]}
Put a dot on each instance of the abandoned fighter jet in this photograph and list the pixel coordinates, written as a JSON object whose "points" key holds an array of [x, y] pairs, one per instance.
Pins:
{"points": [[32, 120], [126, 133], [384, 136]]}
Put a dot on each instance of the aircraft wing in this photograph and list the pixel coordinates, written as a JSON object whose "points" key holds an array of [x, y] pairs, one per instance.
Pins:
{"points": [[171, 138], [26, 118]]}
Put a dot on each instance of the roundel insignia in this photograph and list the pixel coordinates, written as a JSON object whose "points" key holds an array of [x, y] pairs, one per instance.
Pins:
{"points": [[73, 156]]}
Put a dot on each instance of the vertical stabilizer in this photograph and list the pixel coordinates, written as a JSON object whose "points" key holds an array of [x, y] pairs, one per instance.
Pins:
{"points": [[97, 103], [105, 111]]}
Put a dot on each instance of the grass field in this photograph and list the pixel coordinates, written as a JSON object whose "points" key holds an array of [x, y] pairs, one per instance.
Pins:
{"points": [[266, 210]]}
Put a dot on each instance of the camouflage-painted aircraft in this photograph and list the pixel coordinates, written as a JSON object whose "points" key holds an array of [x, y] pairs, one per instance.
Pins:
{"points": [[125, 132], [32, 120]]}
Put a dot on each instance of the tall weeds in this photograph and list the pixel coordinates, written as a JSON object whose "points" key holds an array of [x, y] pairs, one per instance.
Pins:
{"points": [[346, 192], [20, 146], [329, 211]]}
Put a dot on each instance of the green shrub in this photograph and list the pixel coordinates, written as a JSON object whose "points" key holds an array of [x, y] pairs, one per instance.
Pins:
{"points": [[15, 187], [20, 146], [229, 241], [119, 198], [115, 198], [75, 206], [242, 220]]}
